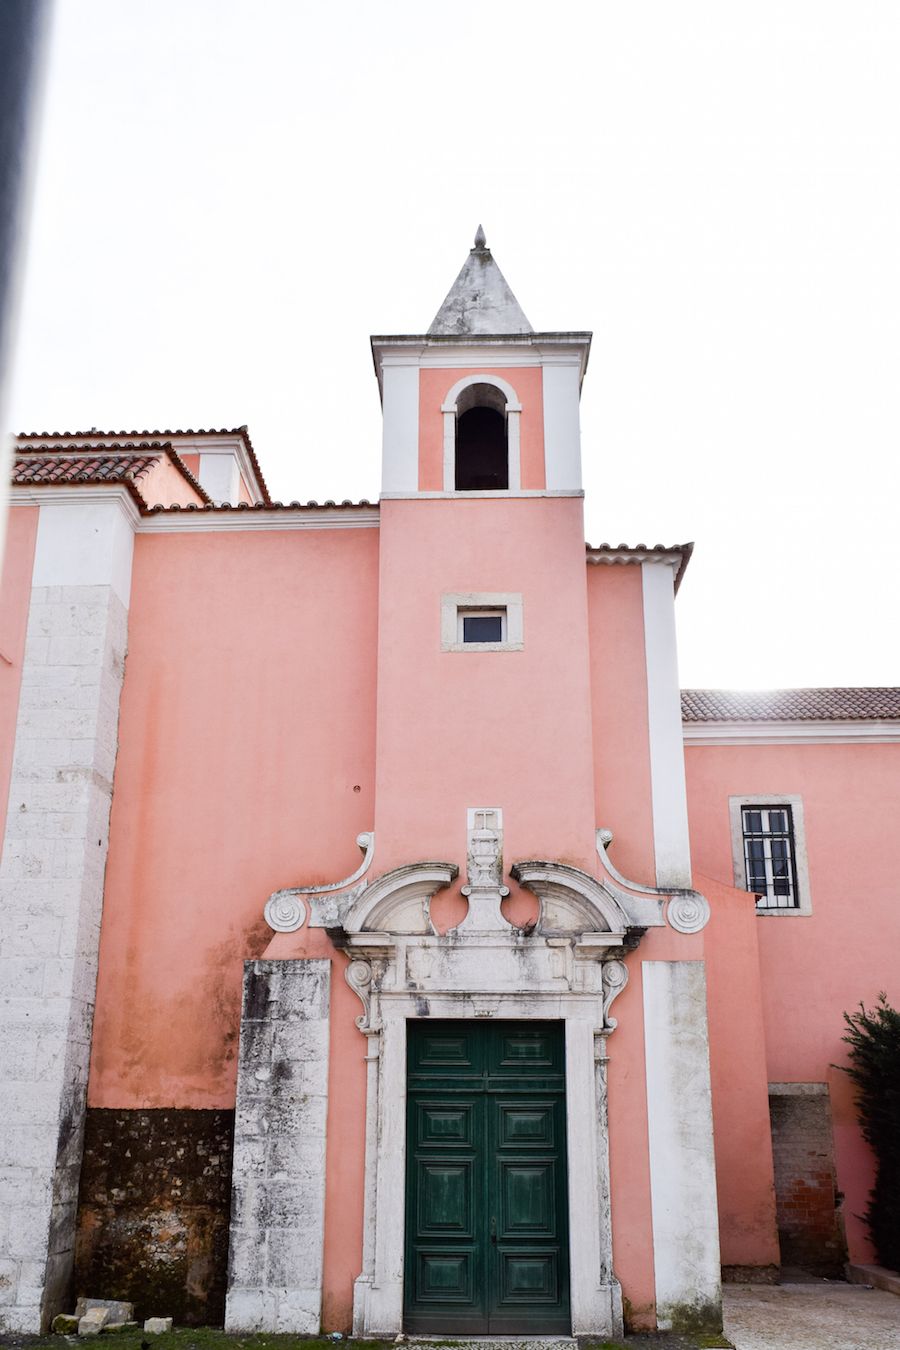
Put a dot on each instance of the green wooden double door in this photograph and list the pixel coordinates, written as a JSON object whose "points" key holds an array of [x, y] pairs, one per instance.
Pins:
{"points": [[487, 1241]]}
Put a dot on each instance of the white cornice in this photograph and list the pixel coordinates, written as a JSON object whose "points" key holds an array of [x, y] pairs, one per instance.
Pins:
{"points": [[791, 733], [503, 494], [203, 522], [36, 495], [526, 349]]}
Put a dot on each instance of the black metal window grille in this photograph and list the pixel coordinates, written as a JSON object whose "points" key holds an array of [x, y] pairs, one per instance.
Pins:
{"points": [[769, 856]]}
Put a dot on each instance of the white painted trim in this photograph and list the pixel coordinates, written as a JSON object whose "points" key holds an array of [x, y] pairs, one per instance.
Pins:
{"points": [[202, 522], [848, 732], [400, 430], [510, 601], [803, 908], [219, 445], [682, 1160], [36, 495], [492, 494], [219, 475], [202, 519], [451, 398], [513, 433], [562, 426], [671, 841], [84, 543], [507, 351]]}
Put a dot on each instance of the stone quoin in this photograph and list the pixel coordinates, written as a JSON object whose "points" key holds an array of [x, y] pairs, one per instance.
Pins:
{"points": [[388, 943]]}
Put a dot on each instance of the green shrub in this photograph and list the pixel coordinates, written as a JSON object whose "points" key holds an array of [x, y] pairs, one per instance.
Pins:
{"points": [[874, 1041]]}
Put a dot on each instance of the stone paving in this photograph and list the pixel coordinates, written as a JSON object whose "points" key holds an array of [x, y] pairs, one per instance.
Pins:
{"points": [[820, 1315]]}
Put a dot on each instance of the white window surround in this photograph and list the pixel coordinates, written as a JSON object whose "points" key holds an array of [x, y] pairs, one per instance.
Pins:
{"points": [[803, 906], [513, 413], [454, 606]]}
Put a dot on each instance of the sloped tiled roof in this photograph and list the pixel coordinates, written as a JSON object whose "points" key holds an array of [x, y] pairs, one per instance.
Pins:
{"points": [[45, 466], [855, 704], [625, 553], [154, 436]]}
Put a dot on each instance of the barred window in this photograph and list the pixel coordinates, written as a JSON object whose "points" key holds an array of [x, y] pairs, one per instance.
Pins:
{"points": [[770, 855]]}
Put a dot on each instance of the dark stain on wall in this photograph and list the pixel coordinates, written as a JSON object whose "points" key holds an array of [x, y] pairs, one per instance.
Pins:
{"points": [[153, 1212]]}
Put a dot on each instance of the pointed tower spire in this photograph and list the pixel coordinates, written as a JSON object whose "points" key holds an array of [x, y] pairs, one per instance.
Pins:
{"points": [[480, 300]]}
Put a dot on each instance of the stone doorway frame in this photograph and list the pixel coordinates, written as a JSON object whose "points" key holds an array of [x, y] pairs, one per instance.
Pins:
{"points": [[571, 967], [596, 1298]]}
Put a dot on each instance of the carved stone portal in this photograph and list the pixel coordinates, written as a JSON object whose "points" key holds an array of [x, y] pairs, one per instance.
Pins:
{"points": [[570, 967]]}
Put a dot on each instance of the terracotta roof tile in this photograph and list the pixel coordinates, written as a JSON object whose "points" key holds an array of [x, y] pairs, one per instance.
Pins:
{"points": [[155, 436], [47, 465], [856, 704], [346, 504], [632, 553]]}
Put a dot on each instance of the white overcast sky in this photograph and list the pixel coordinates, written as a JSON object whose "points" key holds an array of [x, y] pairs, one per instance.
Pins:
{"points": [[233, 194]]}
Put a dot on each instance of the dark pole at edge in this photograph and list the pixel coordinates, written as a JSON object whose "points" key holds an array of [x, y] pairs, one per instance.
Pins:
{"points": [[24, 25]]}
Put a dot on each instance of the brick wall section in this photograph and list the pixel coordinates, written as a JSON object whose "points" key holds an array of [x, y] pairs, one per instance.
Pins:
{"points": [[153, 1212], [51, 896], [809, 1229]]}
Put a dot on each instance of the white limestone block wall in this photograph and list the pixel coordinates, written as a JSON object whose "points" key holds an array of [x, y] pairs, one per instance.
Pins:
{"points": [[682, 1160], [51, 893], [278, 1188]]}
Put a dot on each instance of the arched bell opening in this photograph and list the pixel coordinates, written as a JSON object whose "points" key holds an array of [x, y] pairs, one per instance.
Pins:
{"points": [[482, 441]]}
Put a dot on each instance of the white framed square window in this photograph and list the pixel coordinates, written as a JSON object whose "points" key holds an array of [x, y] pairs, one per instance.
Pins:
{"points": [[768, 843], [481, 621]]}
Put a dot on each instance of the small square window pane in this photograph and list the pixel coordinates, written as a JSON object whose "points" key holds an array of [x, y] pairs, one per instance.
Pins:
{"points": [[482, 628]]}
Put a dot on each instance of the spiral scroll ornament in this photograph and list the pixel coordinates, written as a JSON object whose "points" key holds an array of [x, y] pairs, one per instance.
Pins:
{"points": [[688, 913], [615, 978], [359, 977], [285, 912]]}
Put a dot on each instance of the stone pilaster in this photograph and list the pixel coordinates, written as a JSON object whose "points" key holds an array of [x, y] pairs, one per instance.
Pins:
{"points": [[278, 1190], [51, 898]]}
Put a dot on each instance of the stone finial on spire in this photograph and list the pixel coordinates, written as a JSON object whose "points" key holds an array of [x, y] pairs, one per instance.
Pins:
{"points": [[480, 300]]}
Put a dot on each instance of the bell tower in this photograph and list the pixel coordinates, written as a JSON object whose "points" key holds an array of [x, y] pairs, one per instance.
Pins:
{"points": [[481, 402], [483, 666]]}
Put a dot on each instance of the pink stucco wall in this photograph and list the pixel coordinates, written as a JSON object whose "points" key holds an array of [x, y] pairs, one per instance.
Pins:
{"points": [[737, 1060], [813, 968], [165, 485], [15, 598], [434, 385], [463, 729], [246, 763], [619, 713]]}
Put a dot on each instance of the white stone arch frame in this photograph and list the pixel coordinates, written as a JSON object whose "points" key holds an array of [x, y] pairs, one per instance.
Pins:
{"points": [[513, 434], [569, 969]]}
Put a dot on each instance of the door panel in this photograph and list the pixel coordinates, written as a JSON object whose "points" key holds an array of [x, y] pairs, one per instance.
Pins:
{"points": [[486, 1205]]}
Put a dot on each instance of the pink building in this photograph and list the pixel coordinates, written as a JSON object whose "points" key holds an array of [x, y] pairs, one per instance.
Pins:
{"points": [[385, 943]]}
